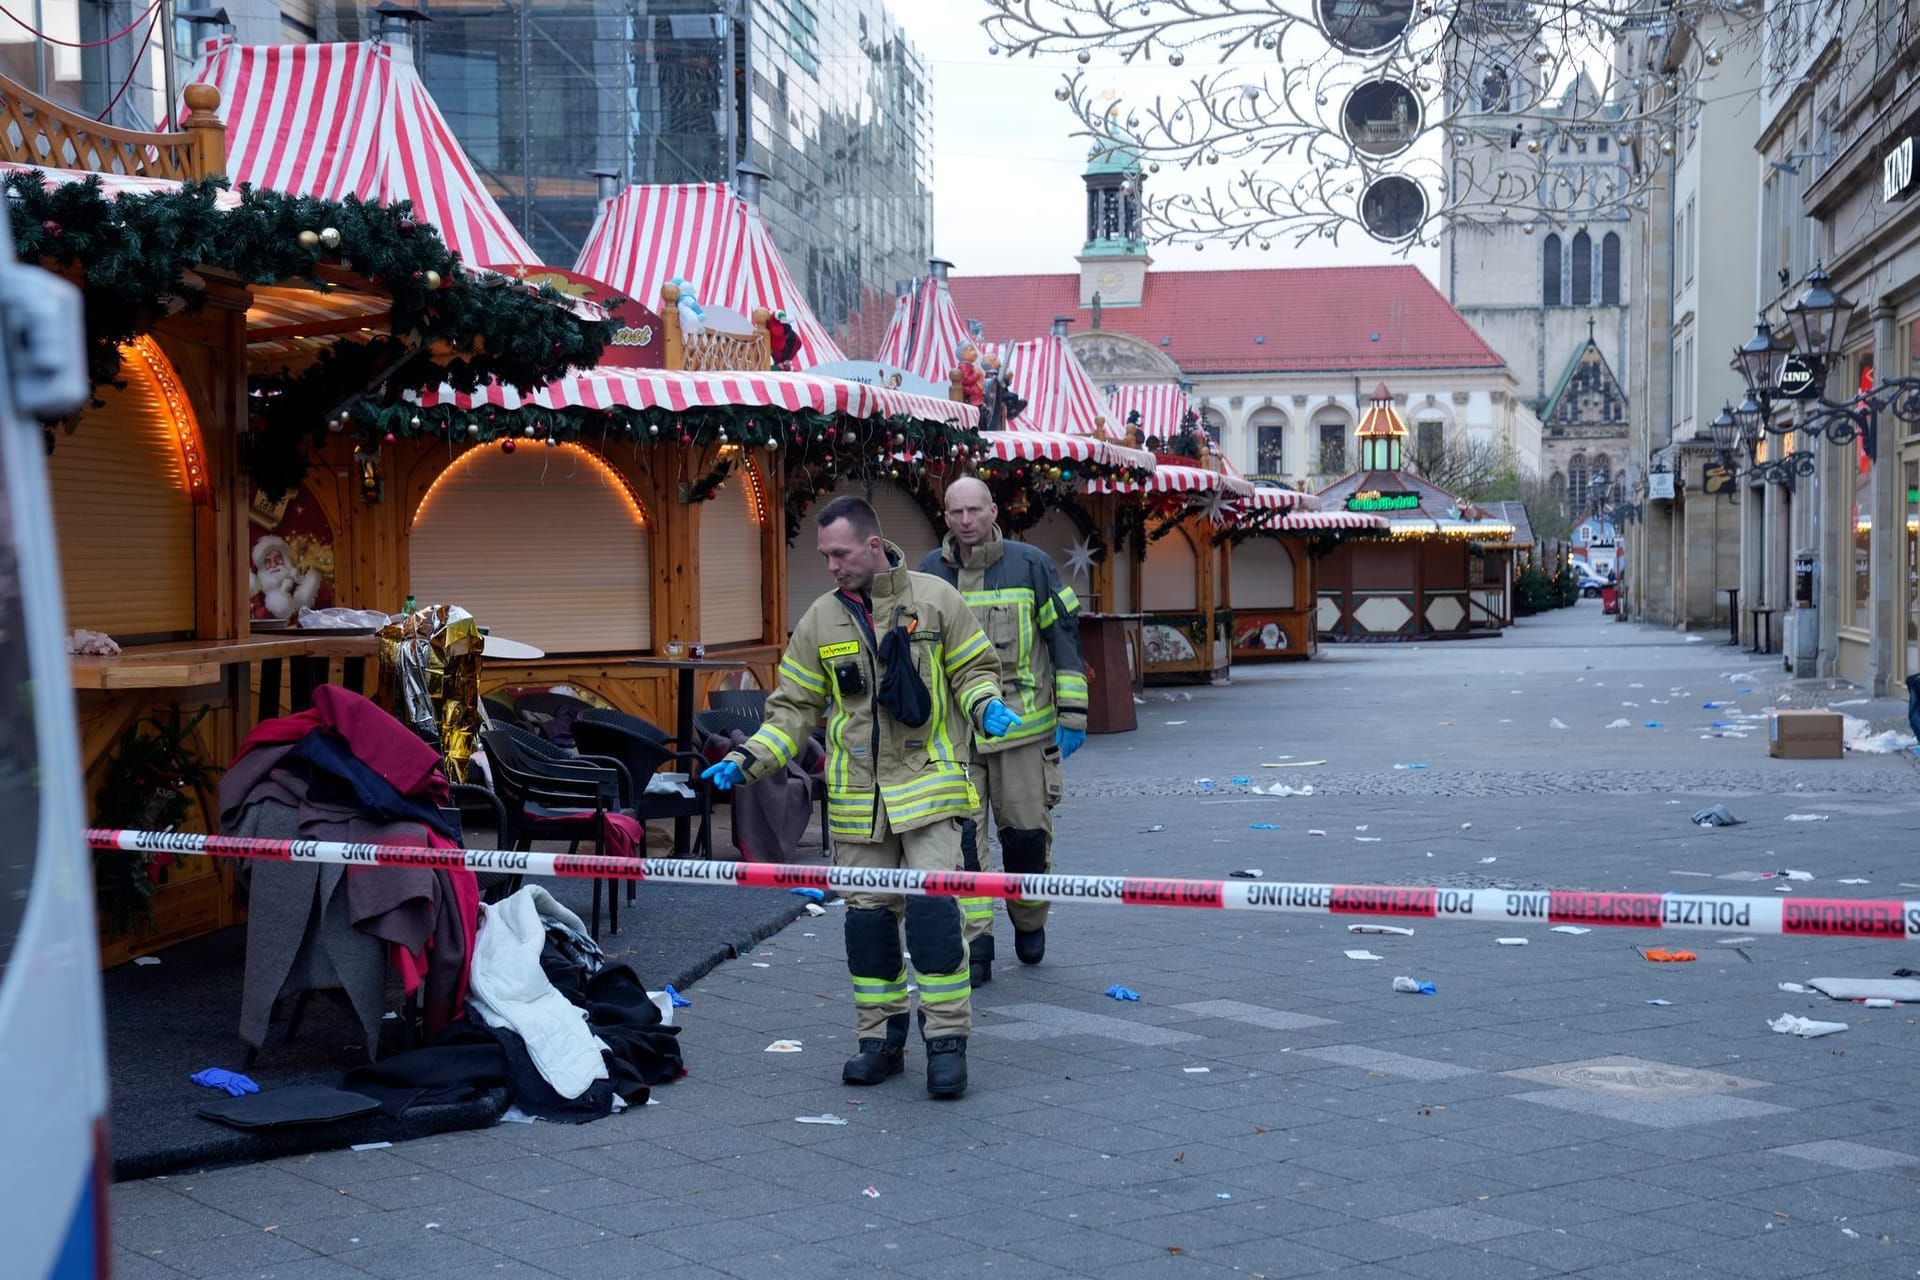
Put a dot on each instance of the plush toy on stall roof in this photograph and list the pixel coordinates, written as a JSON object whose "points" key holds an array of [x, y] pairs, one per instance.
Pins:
{"points": [[972, 383], [783, 338], [692, 316]]}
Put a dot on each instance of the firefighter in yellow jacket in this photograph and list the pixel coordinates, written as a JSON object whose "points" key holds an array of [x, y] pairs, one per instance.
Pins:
{"points": [[903, 674], [1033, 620]]}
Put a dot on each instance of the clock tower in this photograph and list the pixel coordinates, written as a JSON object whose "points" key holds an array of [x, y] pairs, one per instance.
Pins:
{"points": [[1113, 261]]}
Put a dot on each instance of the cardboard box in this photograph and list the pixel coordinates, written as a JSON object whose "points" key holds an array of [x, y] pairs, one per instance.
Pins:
{"points": [[1805, 735]]}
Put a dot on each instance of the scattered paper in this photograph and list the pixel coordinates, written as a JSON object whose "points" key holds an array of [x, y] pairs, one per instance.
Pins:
{"points": [[1855, 880], [1392, 930], [1555, 723], [1172, 723], [1290, 764], [1798, 875], [1147, 831], [828, 1118], [1368, 839], [1410, 766], [815, 909], [1363, 955], [1571, 928], [1731, 942], [1511, 942], [1281, 789], [783, 1046], [1485, 861], [371, 1146], [1658, 1002], [1879, 1003], [146, 960], [1621, 723], [514, 1115], [1808, 817], [1466, 826], [1794, 988], [1363, 826], [1789, 1024], [1247, 873], [1315, 831], [1197, 1071], [871, 1193]]}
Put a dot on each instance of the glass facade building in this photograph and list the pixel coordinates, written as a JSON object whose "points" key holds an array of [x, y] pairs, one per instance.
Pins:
{"points": [[827, 96]]}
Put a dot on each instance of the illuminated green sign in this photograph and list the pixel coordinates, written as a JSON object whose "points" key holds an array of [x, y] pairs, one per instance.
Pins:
{"points": [[1374, 501]]}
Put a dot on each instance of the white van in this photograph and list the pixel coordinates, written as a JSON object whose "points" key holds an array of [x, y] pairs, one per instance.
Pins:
{"points": [[54, 1165]]}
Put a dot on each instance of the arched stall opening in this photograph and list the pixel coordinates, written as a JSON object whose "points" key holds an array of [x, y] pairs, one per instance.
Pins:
{"points": [[1272, 598]]}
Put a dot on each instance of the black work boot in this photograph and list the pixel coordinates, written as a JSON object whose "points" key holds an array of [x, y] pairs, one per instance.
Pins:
{"points": [[980, 959], [879, 1059], [1030, 945], [947, 1066]]}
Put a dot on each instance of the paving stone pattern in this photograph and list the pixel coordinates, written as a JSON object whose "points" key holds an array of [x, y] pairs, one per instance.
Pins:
{"points": [[1270, 1107]]}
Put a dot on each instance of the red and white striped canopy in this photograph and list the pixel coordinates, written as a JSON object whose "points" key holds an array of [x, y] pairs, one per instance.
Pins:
{"points": [[1265, 498], [1060, 396], [1310, 521], [926, 333], [894, 403], [1040, 446], [706, 235], [1161, 405], [671, 389], [334, 120], [1176, 478]]}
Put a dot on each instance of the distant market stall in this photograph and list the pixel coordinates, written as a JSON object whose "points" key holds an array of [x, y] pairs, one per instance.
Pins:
{"points": [[1444, 570]]}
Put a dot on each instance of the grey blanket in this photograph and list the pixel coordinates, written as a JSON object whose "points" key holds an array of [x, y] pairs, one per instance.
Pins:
{"points": [[770, 816]]}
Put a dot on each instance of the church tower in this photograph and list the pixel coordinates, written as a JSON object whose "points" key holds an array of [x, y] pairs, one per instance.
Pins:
{"points": [[1113, 261], [1537, 284]]}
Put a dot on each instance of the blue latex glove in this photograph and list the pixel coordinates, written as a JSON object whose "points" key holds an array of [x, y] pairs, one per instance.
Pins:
{"points": [[1068, 740], [726, 775], [232, 1082], [996, 721]]}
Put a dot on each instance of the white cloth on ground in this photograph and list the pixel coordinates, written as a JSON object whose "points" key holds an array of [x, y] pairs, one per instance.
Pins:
{"points": [[508, 988]]}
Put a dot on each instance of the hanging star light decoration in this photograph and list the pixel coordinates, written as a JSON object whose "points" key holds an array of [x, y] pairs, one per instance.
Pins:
{"points": [[1081, 557], [1218, 507]]}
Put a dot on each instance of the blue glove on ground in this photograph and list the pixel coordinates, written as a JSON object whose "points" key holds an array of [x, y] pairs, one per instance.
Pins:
{"points": [[726, 775], [997, 721], [235, 1084], [1068, 740]]}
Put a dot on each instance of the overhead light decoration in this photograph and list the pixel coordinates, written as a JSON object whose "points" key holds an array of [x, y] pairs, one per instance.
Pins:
{"points": [[1399, 118]]}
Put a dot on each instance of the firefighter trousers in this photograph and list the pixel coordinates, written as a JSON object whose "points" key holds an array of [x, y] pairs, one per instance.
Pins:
{"points": [[1021, 785], [934, 939]]}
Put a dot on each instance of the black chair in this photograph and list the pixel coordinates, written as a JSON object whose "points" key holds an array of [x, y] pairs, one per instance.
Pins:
{"points": [[722, 721], [754, 700], [466, 798], [632, 742], [568, 799], [495, 711]]}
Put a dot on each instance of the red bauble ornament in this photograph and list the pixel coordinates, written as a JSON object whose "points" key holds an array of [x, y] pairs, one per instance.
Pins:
{"points": [[832, 432], [52, 229], [508, 446], [391, 437]]}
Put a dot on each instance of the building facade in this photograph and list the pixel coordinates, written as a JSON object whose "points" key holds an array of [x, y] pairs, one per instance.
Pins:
{"points": [[1279, 361], [827, 96], [1694, 262]]}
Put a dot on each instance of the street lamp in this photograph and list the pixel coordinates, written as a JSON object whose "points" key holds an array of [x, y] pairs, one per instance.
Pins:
{"points": [[1726, 433], [1819, 319], [1759, 359]]}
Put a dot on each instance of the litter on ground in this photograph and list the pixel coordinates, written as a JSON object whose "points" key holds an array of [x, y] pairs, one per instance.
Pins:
{"points": [[1119, 992], [1571, 928], [1808, 817], [1363, 955], [1790, 1024], [783, 1046], [1621, 723], [1716, 816], [1391, 930], [1246, 873], [1555, 723], [1414, 987], [1511, 942], [1660, 955], [1794, 988], [1485, 861], [828, 1118], [1905, 990], [1658, 1002]]}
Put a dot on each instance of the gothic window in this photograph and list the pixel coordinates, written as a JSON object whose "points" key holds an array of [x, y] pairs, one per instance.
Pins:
{"points": [[1495, 90], [1550, 272], [1559, 483], [1610, 269], [1582, 292], [1577, 480]]}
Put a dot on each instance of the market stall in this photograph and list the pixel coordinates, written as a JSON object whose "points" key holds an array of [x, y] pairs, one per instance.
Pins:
{"points": [[1428, 578], [199, 375], [1276, 546]]}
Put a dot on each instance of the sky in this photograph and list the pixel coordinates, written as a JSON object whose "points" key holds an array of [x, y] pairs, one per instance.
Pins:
{"points": [[1007, 195]]}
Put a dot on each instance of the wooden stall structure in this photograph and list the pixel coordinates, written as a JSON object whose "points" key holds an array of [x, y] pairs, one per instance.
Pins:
{"points": [[154, 513], [1430, 577], [1277, 547]]}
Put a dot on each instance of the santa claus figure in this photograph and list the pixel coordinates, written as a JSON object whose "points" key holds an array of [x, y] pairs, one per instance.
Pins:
{"points": [[279, 590], [972, 383]]}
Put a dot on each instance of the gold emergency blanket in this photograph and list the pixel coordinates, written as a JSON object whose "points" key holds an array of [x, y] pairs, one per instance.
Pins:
{"points": [[430, 679]]}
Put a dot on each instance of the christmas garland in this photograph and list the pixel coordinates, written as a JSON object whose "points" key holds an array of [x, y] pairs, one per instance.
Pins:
{"points": [[136, 257]]}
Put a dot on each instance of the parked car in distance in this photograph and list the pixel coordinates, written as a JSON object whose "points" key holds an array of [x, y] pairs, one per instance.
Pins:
{"points": [[1591, 582]]}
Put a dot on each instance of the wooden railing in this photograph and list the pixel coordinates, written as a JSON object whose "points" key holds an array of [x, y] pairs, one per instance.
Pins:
{"points": [[713, 351], [47, 135]]}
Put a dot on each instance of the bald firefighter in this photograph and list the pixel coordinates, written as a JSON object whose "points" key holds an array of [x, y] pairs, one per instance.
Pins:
{"points": [[1033, 621], [904, 675]]}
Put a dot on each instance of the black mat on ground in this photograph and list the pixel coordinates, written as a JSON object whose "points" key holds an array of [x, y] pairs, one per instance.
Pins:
{"points": [[167, 1021]]}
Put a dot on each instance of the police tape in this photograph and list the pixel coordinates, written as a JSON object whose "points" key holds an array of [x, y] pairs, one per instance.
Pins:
{"points": [[1792, 917]]}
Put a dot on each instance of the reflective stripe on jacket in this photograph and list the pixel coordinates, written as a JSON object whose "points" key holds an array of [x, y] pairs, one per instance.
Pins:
{"points": [[915, 776], [1033, 620]]}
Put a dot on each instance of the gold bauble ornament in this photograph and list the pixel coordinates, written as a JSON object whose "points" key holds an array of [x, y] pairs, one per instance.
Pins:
{"points": [[309, 239], [431, 280]]}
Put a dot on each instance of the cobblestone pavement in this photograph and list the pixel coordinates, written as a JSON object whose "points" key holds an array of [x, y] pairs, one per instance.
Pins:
{"points": [[1269, 1107]]}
